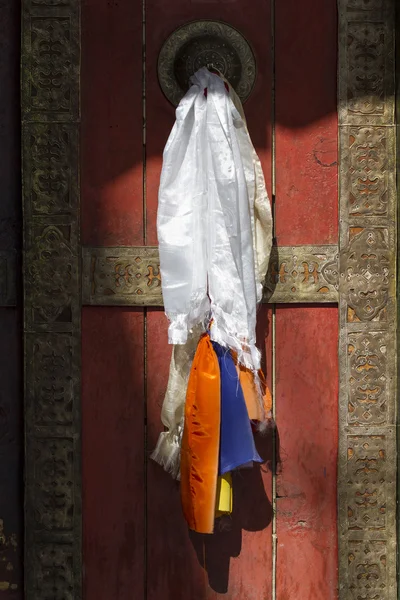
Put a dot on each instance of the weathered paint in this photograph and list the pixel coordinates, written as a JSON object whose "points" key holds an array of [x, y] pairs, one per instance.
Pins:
{"points": [[238, 562], [112, 339], [306, 337]]}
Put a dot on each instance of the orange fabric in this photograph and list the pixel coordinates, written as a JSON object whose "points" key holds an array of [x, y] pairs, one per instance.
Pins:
{"points": [[200, 441], [251, 396]]}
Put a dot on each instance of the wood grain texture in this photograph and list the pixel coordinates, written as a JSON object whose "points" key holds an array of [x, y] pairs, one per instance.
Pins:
{"points": [[306, 122], [113, 338], [112, 146], [306, 338], [306, 401], [113, 453]]}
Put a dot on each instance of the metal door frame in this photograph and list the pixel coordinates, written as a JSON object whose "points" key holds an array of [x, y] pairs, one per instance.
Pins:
{"points": [[365, 283]]}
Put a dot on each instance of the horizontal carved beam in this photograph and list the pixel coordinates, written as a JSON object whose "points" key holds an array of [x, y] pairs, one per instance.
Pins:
{"points": [[130, 276]]}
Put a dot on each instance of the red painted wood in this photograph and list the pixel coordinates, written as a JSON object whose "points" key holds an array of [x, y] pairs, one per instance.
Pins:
{"points": [[112, 338], [111, 83], [113, 453], [238, 562], [306, 122], [306, 336], [306, 398]]}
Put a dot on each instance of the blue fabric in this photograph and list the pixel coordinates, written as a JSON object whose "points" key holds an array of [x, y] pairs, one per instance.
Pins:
{"points": [[237, 446]]}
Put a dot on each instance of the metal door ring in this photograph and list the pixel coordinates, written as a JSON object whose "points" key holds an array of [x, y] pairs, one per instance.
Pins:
{"points": [[211, 44]]}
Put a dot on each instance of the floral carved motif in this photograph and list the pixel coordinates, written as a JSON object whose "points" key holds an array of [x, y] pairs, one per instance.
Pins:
{"points": [[368, 171], [51, 270], [366, 472], [53, 383], [51, 172], [131, 276], [369, 381], [52, 65], [365, 271], [366, 60], [54, 572], [54, 488], [367, 570]]}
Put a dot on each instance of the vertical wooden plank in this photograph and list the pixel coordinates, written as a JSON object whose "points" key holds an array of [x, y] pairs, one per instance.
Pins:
{"points": [[306, 407], [11, 424], [113, 338], [112, 147], [238, 562], [306, 338], [306, 121], [112, 450]]}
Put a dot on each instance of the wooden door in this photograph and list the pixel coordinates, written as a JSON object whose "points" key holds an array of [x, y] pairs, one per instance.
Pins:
{"points": [[135, 539], [92, 146]]}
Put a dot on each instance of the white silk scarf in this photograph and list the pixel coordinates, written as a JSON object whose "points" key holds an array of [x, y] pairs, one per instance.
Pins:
{"points": [[214, 228]]}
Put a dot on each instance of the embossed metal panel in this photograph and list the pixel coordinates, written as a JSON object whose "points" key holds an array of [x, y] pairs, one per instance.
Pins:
{"points": [[367, 447], [52, 305], [131, 276]]}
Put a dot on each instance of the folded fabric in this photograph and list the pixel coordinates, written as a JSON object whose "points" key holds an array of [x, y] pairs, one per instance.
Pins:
{"points": [[251, 392], [168, 450], [224, 503], [201, 439], [237, 446]]}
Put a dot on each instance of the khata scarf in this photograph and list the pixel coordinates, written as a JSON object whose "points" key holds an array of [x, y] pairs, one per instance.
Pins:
{"points": [[215, 235]]}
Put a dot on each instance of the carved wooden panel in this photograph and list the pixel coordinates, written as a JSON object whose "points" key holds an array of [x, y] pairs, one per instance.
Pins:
{"points": [[367, 452], [131, 276], [52, 305]]}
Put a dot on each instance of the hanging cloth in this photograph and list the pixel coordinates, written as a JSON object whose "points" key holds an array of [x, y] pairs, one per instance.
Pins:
{"points": [[201, 439], [206, 220], [184, 239], [237, 446]]}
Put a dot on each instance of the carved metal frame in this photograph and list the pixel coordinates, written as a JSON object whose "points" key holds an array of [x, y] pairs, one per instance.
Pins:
{"points": [[367, 301], [130, 276], [52, 295]]}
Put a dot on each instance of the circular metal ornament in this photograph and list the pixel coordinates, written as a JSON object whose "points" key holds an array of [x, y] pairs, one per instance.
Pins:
{"points": [[211, 44]]}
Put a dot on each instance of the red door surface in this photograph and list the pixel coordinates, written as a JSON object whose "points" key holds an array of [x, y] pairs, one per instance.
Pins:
{"points": [[282, 543]]}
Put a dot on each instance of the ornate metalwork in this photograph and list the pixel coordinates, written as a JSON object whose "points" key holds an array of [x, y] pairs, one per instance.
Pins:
{"points": [[131, 276], [52, 304], [367, 434], [302, 274], [205, 44]]}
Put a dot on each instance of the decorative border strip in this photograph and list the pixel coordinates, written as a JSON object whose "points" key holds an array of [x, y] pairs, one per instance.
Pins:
{"points": [[130, 276], [367, 305], [52, 304]]}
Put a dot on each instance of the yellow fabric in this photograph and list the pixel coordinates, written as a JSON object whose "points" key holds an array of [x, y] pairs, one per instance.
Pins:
{"points": [[200, 440], [224, 500]]}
